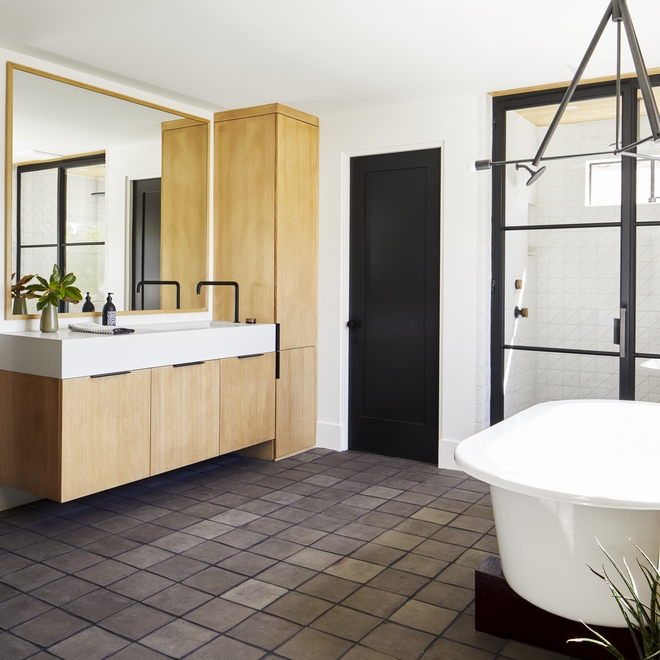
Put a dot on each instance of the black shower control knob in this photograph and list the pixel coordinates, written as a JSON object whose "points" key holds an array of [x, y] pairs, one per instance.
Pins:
{"points": [[351, 324]]}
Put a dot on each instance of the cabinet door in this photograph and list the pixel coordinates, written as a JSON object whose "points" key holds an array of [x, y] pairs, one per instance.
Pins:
{"points": [[105, 432], [184, 211], [244, 212], [184, 415], [297, 231], [296, 402], [247, 401]]}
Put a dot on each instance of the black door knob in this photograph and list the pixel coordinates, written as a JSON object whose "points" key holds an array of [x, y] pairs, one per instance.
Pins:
{"points": [[351, 324]]}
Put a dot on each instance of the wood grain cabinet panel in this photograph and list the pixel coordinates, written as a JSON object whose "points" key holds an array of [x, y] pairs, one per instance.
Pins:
{"points": [[185, 416], [30, 420], [247, 401], [295, 430], [266, 239], [105, 432]]}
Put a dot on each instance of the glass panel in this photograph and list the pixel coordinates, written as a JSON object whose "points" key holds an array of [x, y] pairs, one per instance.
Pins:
{"points": [[571, 191], [647, 321], [648, 171], [85, 208], [38, 208], [535, 377], [570, 285], [647, 382], [37, 261], [87, 262]]}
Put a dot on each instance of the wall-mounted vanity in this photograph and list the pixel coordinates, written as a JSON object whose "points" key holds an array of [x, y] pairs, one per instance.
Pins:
{"points": [[187, 391]]}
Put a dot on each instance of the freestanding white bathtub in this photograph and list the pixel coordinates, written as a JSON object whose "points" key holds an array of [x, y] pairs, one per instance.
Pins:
{"points": [[561, 475]]}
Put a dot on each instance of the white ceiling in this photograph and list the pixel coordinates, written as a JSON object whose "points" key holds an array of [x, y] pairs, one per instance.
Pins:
{"points": [[322, 57]]}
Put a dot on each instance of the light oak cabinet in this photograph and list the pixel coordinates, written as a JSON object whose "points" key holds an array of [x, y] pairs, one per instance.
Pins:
{"points": [[184, 211], [266, 239], [185, 424], [66, 438], [63, 439], [247, 401]]}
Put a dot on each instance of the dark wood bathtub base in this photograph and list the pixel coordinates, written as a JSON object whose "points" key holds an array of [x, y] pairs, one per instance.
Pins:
{"points": [[500, 611]]}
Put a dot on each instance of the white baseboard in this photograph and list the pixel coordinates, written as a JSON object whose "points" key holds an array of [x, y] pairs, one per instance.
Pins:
{"points": [[329, 436], [446, 458]]}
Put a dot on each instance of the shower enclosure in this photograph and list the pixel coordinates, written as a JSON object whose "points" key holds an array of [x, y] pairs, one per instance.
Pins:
{"points": [[575, 309]]}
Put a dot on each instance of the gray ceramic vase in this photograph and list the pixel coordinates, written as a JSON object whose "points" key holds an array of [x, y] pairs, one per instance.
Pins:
{"points": [[20, 306], [49, 322]]}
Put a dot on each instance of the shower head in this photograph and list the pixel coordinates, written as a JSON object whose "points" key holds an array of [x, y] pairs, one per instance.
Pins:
{"points": [[535, 175]]}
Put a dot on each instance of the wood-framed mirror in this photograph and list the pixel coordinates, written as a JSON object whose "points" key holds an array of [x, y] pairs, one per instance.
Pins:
{"points": [[111, 188]]}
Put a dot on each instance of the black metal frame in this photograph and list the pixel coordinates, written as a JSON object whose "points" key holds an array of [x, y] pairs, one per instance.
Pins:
{"points": [[61, 166], [628, 226]]}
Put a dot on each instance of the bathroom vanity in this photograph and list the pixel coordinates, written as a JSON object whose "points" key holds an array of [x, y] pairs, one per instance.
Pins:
{"points": [[81, 413]]}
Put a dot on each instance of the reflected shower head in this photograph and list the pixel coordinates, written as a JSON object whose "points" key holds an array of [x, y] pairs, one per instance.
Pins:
{"points": [[535, 175]]}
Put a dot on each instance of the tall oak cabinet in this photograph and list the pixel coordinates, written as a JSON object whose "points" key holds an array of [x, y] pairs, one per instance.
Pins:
{"points": [[266, 239]]}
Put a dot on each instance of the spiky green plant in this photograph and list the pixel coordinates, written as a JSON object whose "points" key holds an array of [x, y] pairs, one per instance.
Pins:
{"points": [[55, 289], [643, 620]]}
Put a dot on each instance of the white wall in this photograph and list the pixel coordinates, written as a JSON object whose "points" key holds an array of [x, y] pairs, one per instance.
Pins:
{"points": [[8, 496], [450, 122]]}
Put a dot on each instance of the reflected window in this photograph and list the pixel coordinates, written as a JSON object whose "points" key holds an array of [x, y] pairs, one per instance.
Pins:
{"points": [[61, 218]]}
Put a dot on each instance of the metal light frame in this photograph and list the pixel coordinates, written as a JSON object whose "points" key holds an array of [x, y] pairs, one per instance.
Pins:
{"points": [[617, 12]]}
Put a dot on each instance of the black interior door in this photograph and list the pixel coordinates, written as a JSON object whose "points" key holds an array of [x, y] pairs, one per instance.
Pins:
{"points": [[146, 243], [394, 304]]}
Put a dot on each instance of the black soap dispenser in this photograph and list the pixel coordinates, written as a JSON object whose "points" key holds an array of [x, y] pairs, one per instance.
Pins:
{"points": [[88, 305], [109, 312]]}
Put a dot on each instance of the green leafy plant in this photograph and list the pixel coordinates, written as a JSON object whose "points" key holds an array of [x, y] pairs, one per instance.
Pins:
{"points": [[19, 289], [55, 289], [643, 620]]}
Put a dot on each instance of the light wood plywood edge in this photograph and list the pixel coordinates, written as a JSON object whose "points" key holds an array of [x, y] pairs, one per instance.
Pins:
{"points": [[268, 109], [563, 85]]}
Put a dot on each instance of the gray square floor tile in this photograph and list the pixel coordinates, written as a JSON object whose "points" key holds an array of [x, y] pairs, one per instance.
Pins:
{"points": [[106, 572], [423, 616], [314, 644], [224, 647], [178, 638], [64, 590], [214, 580], [397, 641], [141, 585], [98, 604], [247, 563], [375, 601], [254, 593], [32, 577], [178, 599], [144, 556], [265, 631], [286, 575], [347, 623], [316, 560], [14, 648], [50, 627], [178, 568], [136, 621], [219, 614], [329, 587], [90, 644], [355, 570], [299, 608]]}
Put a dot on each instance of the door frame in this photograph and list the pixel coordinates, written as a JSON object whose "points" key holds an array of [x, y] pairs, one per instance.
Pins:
{"points": [[345, 271]]}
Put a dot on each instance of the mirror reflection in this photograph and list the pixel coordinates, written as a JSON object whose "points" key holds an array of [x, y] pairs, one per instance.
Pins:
{"points": [[109, 189]]}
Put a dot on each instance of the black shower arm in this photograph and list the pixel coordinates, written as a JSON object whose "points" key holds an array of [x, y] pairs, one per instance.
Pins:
{"points": [[160, 282], [216, 283]]}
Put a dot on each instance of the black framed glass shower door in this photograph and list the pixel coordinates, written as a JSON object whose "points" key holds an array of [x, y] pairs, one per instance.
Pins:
{"points": [[570, 252]]}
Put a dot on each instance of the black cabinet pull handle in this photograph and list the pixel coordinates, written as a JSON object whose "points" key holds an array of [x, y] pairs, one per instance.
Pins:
{"points": [[115, 373], [243, 357], [188, 364]]}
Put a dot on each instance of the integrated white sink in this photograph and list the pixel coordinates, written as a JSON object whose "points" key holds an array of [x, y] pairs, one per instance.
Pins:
{"points": [[67, 354]]}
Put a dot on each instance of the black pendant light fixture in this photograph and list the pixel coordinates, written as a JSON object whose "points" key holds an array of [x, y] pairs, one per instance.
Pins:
{"points": [[618, 13]]}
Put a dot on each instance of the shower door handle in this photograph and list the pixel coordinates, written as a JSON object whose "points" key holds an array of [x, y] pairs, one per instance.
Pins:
{"points": [[620, 332]]}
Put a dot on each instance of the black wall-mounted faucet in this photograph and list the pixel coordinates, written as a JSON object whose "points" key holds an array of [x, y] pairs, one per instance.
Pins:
{"points": [[214, 283], [159, 282]]}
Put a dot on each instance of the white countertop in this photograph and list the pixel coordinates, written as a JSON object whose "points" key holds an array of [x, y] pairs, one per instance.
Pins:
{"points": [[67, 354]]}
